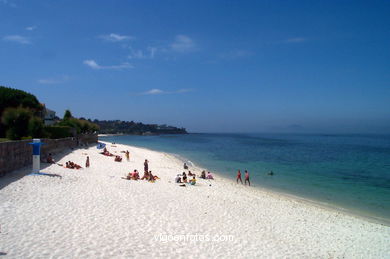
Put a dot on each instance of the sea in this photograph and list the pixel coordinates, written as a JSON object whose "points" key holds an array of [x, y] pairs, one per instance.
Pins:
{"points": [[346, 172]]}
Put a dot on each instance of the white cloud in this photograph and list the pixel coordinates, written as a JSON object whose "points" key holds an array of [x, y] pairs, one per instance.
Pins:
{"points": [[113, 37], [183, 44], [92, 64], [156, 91], [17, 38], [149, 53], [31, 28], [295, 40], [153, 91], [54, 80]]}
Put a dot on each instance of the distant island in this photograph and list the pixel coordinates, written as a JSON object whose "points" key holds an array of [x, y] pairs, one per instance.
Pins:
{"points": [[135, 128]]}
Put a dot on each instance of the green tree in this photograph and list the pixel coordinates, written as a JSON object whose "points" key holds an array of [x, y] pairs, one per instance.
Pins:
{"points": [[13, 98], [67, 115], [35, 127], [16, 121]]}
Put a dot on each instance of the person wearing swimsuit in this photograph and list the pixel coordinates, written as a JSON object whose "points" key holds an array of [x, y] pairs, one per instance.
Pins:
{"points": [[239, 176], [146, 166], [247, 178]]}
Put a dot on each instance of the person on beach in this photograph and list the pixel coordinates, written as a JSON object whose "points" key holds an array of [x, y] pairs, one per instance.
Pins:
{"points": [[87, 162], [210, 176], [145, 176], [127, 155], [184, 177], [129, 176], [178, 179], [135, 175], [50, 159], [185, 166], [203, 175], [190, 174], [247, 177], [239, 176], [146, 166], [193, 181]]}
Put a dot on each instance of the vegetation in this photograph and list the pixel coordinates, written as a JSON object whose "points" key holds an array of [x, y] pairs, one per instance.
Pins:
{"points": [[16, 122], [22, 118], [131, 127], [24, 105], [56, 132]]}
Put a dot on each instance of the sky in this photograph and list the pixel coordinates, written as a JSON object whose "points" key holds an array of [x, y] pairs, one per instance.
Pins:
{"points": [[208, 66]]}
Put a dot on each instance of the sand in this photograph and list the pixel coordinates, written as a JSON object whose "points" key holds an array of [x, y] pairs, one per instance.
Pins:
{"points": [[93, 213]]}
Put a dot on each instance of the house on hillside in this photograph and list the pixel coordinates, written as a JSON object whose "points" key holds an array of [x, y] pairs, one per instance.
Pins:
{"points": [[49, 116]]}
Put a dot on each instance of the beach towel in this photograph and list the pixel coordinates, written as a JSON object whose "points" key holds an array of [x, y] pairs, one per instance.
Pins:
{"points": [[101, 145]]}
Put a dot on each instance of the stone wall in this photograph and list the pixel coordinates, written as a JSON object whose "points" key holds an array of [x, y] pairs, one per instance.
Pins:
{"points": [[17, 154]]}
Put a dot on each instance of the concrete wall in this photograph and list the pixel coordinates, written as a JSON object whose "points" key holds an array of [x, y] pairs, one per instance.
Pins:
{"points": [[17, 154]]}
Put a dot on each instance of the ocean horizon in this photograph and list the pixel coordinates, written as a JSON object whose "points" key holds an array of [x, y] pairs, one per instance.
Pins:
{"points": [[345, 171]]}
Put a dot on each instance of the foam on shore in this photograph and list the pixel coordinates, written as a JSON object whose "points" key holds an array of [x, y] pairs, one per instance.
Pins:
{"points": [[94, 213]]}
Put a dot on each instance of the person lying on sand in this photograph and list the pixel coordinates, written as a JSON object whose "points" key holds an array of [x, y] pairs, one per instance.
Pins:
{"points": [[178, 179], [190, 174], [128, 177], [72, 165], [203, 175], [118, 159]]}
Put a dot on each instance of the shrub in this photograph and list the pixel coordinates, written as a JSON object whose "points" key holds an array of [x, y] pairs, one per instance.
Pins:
{"points": [[55, 132], [13, 98], [16, 121], [35, 127]]}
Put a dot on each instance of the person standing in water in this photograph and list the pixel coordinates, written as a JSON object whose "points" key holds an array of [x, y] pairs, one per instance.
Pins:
{"points": [[87, 162], [247, 177], [239, 176]]}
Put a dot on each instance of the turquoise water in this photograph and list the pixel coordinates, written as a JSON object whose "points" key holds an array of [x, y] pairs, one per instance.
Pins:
{"points": [[346, 171]]}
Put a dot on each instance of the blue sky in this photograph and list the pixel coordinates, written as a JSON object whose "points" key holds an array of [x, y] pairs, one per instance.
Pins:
{"points": [[209, 66]]}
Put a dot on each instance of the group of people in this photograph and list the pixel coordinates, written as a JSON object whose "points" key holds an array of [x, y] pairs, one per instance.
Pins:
{"points": [[246, 177], [208, 176], [148, 175], [72, 165], [182, 178]]}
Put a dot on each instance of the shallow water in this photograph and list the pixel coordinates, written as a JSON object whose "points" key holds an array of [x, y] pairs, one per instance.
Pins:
{"points": [[347, 171]]}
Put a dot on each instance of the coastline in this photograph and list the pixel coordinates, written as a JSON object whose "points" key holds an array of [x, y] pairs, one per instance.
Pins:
{"points": [[270, 191], [94, 213]]}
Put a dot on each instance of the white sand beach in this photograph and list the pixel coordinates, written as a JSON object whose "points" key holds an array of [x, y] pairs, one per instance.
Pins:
{"points": [[93, 213]]}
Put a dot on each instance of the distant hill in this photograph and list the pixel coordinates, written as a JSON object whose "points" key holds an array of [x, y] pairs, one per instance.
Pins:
{"points": [[135, 128]]}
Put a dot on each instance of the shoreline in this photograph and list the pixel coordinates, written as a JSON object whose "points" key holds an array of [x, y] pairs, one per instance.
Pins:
{"points": [[93, 212], [257, 187]]}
